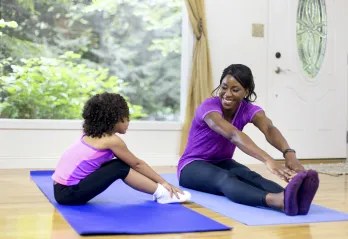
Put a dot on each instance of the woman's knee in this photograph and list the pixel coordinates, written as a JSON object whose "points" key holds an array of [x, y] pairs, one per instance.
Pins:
{"points": [[229, 186], [244, 173], [224, 180]]}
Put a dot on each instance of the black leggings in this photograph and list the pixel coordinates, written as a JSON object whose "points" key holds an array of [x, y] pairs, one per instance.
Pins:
{"points": [[234, 180], [92, 185]]}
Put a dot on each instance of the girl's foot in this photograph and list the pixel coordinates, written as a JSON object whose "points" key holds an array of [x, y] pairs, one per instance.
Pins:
{"points": [[162, 196]]}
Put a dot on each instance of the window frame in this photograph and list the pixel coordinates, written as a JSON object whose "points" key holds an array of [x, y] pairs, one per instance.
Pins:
{"points": [[188, 42]]}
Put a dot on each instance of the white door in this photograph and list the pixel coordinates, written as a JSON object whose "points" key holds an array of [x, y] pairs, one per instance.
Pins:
{"points": [[307, 91]]}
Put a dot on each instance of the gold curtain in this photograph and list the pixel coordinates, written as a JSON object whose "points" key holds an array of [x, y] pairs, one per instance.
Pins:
{"points": [[201, 83]]}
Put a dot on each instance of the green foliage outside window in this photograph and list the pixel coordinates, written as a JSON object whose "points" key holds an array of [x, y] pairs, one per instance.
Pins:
{"points": [[57, 53]]}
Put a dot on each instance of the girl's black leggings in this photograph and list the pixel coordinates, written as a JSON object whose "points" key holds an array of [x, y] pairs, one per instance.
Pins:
{"points": [[234, 180], [92, 185]]}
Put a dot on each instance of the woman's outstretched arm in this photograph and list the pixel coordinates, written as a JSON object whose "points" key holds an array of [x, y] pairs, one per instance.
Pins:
{"points": [[217, 123], [276, 139]]}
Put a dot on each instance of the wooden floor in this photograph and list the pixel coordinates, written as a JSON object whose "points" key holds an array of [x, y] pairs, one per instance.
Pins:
{"points": [[26, 213]]}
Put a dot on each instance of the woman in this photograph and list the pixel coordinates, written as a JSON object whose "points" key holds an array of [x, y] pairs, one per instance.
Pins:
{"points": [[207, 165]]}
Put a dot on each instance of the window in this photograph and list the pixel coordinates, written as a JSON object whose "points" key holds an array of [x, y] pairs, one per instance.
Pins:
{"points": [[64, 51], [311, 35]]}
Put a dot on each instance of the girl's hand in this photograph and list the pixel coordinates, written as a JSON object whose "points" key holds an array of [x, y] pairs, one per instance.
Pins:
{"points": [[172, 189]]}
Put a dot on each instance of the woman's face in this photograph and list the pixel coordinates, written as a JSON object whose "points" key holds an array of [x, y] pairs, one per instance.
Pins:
{"points": [[231, 92]]}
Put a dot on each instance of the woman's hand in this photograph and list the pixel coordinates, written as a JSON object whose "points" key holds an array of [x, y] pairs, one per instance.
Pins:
{"points": [[292, 163], [172, 189], [279, 170]]}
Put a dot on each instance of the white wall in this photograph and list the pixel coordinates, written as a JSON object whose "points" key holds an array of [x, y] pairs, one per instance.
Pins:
{"points": [[343, 12], [341, 15], [23, 146], [229, 33]]}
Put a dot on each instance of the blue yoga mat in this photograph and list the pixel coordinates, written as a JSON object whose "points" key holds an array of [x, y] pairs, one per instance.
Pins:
{"points": [[255, 216], [123, 210]]}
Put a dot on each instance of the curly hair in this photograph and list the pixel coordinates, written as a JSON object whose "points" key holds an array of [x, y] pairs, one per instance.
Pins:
{"points": [[102, 112]]}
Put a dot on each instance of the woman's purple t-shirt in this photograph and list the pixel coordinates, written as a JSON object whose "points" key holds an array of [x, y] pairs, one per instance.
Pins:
{"points": [[204, 143]]}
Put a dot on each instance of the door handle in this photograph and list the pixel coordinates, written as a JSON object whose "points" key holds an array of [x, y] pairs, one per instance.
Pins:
{"points": [[278, 70]]}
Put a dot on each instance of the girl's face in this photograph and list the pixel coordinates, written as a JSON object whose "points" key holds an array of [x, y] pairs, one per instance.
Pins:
{"points": [[122, 127]]}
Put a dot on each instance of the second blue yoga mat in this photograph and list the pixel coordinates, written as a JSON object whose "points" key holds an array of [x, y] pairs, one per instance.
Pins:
{"points": [[123, 210], [254, 216]]}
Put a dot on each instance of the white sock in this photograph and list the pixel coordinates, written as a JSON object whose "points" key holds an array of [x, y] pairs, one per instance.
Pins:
{"points": [[158, 192], [162, 196]]}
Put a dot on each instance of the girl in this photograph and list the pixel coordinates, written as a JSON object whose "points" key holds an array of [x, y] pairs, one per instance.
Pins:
{"points": [[100, 157], [207, 165]]}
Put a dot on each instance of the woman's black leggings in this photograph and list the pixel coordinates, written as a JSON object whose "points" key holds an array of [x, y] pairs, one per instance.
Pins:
{"points": [[92, 185], [234, 180]]}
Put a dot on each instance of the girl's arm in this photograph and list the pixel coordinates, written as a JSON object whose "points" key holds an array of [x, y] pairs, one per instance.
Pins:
{"points": [[120, 149]]}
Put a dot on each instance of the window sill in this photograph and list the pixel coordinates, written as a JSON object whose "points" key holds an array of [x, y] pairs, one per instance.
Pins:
{"points": [[43, 124]]}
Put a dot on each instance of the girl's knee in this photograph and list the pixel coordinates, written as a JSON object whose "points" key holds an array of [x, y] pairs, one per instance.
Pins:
{"points": [[119, 168]]}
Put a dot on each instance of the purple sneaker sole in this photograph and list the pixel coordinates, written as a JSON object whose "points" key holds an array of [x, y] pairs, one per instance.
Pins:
{"points": [[307, 192], [291, 194]]}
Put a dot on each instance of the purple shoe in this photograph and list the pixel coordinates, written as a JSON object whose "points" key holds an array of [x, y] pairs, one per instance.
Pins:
{"points": [[290, 194], [307, 192]]}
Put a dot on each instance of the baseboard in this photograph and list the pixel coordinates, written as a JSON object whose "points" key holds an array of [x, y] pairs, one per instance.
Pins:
{"points": [[317, 161]]}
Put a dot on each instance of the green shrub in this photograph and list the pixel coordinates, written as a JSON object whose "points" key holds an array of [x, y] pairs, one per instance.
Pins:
{"points": [[54, 88]]}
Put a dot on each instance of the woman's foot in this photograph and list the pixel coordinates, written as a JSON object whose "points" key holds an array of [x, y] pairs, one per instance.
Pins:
{"points": [[162, 196], [291, 194], [275, 201], [307, 192]]}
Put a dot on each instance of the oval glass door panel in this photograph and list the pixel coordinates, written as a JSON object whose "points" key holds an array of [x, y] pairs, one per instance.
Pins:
{"points": [[311, 35]]}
